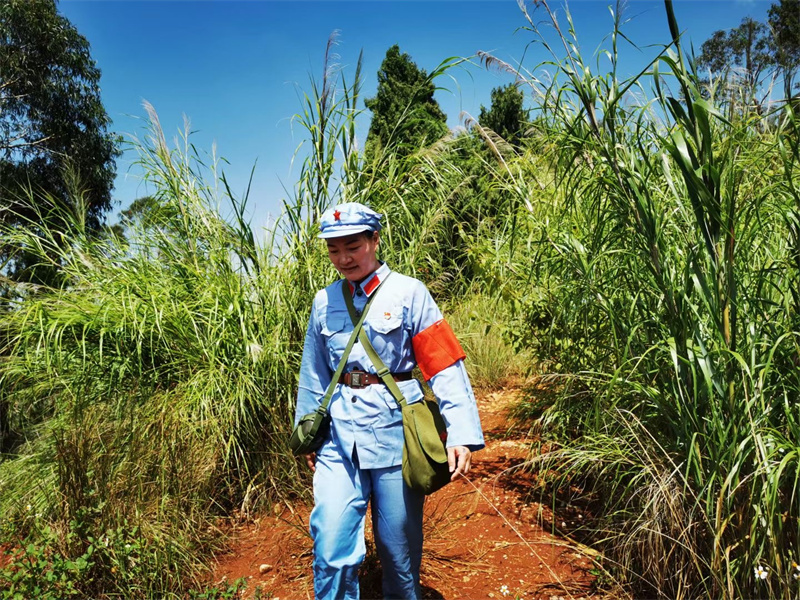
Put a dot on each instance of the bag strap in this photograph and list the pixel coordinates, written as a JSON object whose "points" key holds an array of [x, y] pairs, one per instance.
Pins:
{"points": [[357, 328], [381, 369]]}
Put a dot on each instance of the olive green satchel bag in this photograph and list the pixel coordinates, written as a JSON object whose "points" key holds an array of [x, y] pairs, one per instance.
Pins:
{"points": [[311, 430], [425, 467]]}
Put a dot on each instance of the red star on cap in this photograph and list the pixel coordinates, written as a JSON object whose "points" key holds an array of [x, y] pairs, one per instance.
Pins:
{"points": [[337, 215]]}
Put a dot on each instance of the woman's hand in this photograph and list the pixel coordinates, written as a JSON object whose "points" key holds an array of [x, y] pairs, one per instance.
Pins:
{"points": [[459, 459], [311, 460]]}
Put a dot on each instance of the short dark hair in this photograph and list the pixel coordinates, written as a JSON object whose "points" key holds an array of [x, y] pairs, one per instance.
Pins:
{"points": [[368, 235]]}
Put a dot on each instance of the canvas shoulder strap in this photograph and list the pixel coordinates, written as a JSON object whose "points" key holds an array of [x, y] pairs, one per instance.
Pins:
{"points": [[357, 328], [380, 368]]}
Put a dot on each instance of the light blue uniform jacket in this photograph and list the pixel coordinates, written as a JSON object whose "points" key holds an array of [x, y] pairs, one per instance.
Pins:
{"points": [[368, 420]]}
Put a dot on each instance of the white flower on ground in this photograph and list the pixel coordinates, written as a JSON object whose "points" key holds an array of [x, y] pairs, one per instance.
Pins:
{"points": [[760, 572], [504, 590]]}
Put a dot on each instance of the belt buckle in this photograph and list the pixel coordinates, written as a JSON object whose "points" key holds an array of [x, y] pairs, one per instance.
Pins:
{"points": [[358, 379]]}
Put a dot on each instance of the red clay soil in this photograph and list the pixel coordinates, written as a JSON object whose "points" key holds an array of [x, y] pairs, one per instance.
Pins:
{"points": [[5, 556], [483, 535]]}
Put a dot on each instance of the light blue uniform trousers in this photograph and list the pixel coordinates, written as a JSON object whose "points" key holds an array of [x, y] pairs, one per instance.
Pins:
{"points": [[341, 493]]}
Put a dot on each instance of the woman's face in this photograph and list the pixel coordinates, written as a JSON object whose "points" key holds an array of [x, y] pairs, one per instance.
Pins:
{"points": [[354, 256]]}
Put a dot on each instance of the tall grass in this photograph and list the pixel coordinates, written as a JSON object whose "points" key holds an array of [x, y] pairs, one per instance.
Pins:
{"points": [[484, 326], [674, 307], [154, 389]]}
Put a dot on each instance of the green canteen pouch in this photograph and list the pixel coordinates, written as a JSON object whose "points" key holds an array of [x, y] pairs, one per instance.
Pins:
{"points": [[425, 466], [310, 432]]}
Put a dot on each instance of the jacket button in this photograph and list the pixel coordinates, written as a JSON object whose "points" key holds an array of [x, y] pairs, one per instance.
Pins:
{"points": [[359, 292]]}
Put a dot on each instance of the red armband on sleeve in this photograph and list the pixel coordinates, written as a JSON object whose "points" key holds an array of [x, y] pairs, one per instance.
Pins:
{"points": [[436, 348]]}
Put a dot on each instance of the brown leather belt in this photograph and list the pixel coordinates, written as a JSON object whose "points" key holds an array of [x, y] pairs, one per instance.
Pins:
{"points": [[361, 379]]}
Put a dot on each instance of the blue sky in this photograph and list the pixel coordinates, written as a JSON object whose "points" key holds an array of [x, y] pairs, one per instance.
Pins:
{"points": [[237, 69]]}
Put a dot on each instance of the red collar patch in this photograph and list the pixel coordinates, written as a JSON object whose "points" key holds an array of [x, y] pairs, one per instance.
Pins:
{"points": [[371, 285]]}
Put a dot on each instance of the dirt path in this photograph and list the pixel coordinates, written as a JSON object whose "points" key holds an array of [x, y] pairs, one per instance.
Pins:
{"points": [[483, 537]]}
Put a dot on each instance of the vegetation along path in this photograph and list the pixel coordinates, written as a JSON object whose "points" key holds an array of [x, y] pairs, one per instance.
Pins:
{"points": [[486, 536]]}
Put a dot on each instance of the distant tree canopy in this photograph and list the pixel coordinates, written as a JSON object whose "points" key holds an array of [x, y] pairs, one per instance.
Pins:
{"points": [[53, 126], [506, 116], [144, 210], [754, 49], [784, 20], [746, 48], [404, 112]]}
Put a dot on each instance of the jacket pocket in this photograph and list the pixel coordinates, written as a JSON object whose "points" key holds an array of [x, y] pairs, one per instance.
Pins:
{"points": [[385, 323], [336, 333], [387, 334]]}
